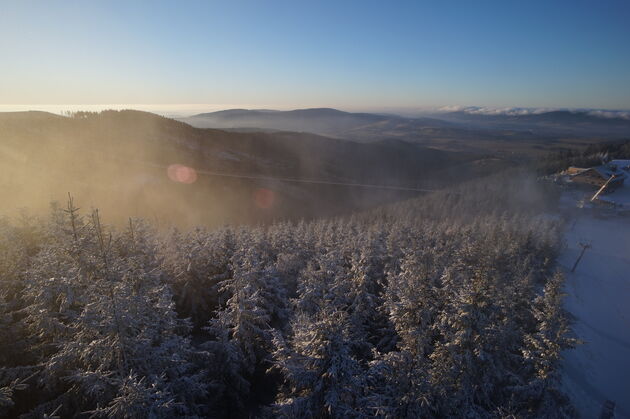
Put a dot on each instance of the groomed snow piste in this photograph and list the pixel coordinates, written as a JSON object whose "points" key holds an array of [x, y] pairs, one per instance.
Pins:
{"points": [[598, 296]]}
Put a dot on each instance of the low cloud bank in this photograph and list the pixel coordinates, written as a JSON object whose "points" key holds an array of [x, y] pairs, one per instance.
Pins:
{"points": [[515, 111]]}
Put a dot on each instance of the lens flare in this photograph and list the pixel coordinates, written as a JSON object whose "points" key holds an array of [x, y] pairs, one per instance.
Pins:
{"points": [[182, 174], [264, 198]]}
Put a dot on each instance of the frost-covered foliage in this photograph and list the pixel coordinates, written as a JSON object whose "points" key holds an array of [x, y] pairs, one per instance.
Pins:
{"points": [[443, 306], [99, 313]]}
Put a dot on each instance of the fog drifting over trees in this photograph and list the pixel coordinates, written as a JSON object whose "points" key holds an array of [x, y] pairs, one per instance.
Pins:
{"points": [[445, 305]]}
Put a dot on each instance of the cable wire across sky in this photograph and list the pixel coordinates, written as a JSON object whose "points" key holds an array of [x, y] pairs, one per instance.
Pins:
{"points": [[293, 180]]}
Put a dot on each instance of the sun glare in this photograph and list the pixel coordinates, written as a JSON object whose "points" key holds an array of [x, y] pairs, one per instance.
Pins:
{"points": [[181, 174], [264, 198]]}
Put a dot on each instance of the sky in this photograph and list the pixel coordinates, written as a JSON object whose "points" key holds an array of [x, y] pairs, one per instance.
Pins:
{"points": [[190, 56]]}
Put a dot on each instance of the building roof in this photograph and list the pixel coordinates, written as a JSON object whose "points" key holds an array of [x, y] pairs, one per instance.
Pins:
{"points": [[607, 171], [622, 164], [572, 170], [619, 197]]}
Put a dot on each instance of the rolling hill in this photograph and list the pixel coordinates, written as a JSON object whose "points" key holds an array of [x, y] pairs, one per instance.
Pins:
{"points": [[323, 121], [119, 160], [507, 134]]}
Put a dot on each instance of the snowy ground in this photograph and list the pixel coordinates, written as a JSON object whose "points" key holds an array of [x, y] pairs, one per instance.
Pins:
{"points": [[621, 196], [598, 295]]}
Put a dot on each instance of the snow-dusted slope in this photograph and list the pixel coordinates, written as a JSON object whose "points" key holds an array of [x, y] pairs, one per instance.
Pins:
{"points": [[598, 295]]}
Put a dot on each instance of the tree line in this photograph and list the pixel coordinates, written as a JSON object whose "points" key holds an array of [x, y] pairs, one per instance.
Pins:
{"points": [[593, 155], [445, 305]]}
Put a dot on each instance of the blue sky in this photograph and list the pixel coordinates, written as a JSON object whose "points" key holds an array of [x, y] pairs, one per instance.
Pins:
{"points": [[346, 54]]}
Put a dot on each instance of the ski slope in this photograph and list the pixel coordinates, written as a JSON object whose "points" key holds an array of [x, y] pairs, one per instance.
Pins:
{"points": [[598, 296]]}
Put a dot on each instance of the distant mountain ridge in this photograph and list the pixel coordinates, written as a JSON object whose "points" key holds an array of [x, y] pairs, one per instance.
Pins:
{"points": [[308, 113], [458, 125], [323, 121], [552, 124]]}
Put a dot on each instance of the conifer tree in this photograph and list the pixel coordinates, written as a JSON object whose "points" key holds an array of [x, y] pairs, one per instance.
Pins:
{"points": [[322, 379]]}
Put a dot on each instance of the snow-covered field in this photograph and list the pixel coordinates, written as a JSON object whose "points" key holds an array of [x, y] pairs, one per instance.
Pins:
{"points": [[598, 295]]}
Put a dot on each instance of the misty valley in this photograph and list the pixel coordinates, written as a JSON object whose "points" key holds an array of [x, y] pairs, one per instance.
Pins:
{"points": [[154, 269]]}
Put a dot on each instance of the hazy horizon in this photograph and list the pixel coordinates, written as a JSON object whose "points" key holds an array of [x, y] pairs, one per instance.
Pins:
{"points": [[186, 110]]}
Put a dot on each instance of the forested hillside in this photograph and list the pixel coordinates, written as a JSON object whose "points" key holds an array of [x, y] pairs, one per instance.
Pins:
{"points": [[593, 155], [118, 161], [509, 133], [447, 305]]}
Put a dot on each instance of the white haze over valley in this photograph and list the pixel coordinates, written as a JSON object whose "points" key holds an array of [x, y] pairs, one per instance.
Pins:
{"points": [[183, 110]]}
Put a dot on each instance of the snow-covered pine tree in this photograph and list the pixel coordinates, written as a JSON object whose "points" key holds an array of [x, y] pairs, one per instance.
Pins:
{"points": [[541, 395], [18, 362], [293, 247], [197, 262], [463, 362], [322, 379], [107, 321], [412, 300], [370, 322], [323, 281], [397, 386], [241, 330]]}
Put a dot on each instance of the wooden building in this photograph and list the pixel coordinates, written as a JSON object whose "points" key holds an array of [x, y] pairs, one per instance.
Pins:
{"points": [[597, 176], [622, 164]]}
